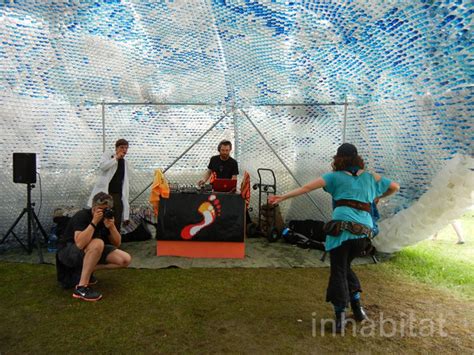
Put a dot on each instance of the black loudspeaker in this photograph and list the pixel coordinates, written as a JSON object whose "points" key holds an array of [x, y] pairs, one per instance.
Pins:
{"points": [[24, 168]]}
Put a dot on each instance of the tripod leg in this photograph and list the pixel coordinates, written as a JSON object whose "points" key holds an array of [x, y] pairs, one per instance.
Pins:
{"points": [[10, 231], [13, 225], [40, 227], [35, 236], [29, 225], [31, 218], [19, 241]]}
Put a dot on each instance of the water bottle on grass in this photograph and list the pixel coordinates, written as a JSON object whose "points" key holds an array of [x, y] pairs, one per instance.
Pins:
{"points": [[53, 241]]}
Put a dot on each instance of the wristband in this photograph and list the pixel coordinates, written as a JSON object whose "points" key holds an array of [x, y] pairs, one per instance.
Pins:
{"points": [[93, 225]]}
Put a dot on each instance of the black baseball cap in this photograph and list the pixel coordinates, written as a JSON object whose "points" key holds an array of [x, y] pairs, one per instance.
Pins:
{"points": [[346, 150]]}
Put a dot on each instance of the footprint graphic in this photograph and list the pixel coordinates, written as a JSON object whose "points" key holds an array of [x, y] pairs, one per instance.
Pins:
{"points": [[209, 210]]}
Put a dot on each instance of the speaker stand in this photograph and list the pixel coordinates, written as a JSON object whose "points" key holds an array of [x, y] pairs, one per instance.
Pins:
{"points": [[32, 218]]}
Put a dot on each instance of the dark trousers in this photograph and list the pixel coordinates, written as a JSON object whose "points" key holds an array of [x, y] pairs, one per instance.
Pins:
{"points": [[343, 281], [118, 209]]}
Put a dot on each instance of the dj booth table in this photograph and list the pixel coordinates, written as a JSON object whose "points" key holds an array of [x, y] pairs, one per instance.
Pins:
{"points": [[201, 225]]}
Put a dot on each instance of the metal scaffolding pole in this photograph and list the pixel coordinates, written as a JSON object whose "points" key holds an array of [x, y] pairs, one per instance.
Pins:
{"points": [[158, 104], [236, 136], [297, 104], [303, 104], [103, 104], [281, 161], [345, 121], [183, 154], [103, 127]]}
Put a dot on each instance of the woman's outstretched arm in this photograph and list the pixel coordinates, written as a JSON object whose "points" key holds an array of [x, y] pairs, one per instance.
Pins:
{"points": [[310, 186]]}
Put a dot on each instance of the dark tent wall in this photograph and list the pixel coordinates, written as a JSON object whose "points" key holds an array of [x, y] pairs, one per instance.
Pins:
{"points": [[289, 81]]}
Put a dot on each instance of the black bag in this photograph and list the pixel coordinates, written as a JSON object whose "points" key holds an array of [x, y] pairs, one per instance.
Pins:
{"points": [[313, 230], [369, 249], [139, 234], [307, 243], [67, 277], [61, 224], [306, 234]]}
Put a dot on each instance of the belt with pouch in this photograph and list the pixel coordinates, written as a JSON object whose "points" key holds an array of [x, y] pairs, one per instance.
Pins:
{"points": [[335, 228]]}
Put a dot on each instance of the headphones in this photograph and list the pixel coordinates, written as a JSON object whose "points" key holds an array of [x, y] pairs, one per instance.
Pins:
{"points": [[224, 142]]}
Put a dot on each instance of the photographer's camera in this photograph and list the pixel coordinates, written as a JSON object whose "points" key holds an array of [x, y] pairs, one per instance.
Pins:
{"points": [[108, 213]]}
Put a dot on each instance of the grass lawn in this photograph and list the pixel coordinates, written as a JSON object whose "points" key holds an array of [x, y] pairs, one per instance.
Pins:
{"points": [[441, 262], [223, 310], [420, 301]]}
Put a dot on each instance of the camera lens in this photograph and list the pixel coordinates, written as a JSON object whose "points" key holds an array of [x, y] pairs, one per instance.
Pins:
{"points": [[108, 213]]}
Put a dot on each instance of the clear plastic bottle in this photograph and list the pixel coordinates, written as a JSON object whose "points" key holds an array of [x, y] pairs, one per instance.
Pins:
{"points": [[53, 241]]}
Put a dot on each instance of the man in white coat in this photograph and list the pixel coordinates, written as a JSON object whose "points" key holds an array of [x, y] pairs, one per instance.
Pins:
{"points": [[113, 179]]}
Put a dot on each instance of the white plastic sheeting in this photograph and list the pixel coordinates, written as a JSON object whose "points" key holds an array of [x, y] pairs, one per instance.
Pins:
{"points": [[450, 194], [405, 67]]}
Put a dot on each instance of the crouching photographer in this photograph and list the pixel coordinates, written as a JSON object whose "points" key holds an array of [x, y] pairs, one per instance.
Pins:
{"points": [[90, 242]]}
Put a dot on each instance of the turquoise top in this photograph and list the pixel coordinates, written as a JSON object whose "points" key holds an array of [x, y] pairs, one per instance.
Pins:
{"points": [[363, 188]]}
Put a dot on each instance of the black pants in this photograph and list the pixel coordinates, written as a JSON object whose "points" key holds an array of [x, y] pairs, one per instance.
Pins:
{"points": [[343, 281], [118, 209]]}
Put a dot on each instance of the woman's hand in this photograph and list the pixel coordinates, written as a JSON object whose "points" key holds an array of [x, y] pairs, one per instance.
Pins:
{"points": [[275, 199]]}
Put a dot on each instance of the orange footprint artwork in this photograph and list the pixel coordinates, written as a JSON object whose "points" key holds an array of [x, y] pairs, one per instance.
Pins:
{"points": [[208, 209]]}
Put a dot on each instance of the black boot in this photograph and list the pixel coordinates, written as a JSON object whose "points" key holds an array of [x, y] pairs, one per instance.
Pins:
{"points": [[359, 313], [340, 322]]}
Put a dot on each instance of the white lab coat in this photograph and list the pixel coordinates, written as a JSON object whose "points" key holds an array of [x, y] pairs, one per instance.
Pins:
{"points": [[107, 168]]}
